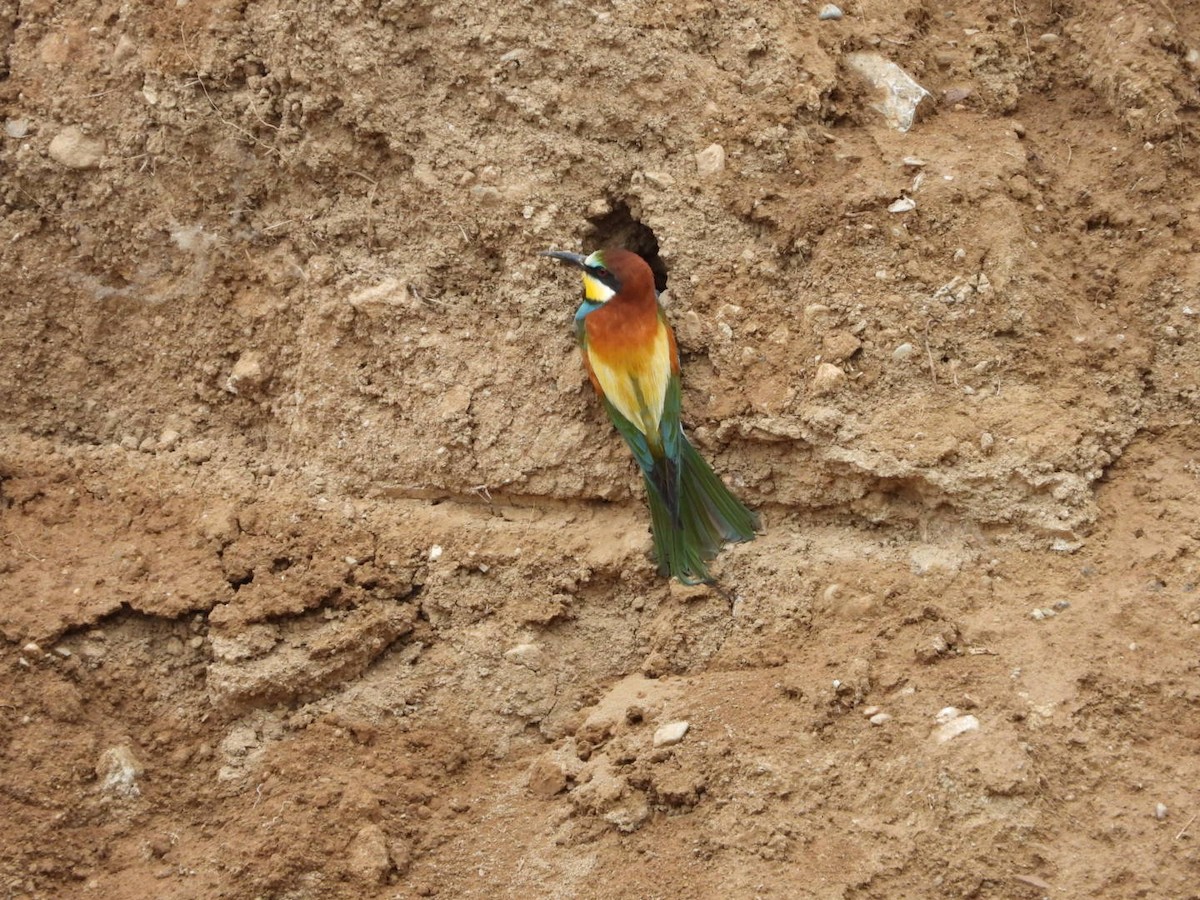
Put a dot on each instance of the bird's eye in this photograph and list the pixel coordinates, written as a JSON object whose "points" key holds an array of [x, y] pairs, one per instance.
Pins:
{"points": [[602, 272]]}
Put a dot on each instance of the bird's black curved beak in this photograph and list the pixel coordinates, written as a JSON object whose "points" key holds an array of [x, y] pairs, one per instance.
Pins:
{"points": [[572, 259]]}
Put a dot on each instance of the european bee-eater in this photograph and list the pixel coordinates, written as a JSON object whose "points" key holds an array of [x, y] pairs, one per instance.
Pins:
{"points": [[630, 356]]}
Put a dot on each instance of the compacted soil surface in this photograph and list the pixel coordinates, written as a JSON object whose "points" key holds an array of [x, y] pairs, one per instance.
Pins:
{"points": [[322, 573]]}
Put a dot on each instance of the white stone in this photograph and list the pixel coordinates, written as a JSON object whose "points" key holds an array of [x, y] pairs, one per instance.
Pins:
{"points": [[710, 160], [954, 728], [828, 379], [118, 771], [880, 719], [899, 95], [670, 734], [435, 552], [903, 352], [1160, 811], [247, 373], [75, 150], [903, 205], [829, 13]]}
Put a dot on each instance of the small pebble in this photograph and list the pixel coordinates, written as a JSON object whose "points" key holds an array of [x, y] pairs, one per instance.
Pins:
{"points": [[1160, 811], [367, 856], [903, 352], [953, 728], [75, 150], [986, 442], [485, 193], [710, 160], [880, 719], [840, 346], [118, 770], [31, 648], [829, 13], [1049, 38], [670, 734], [946, 714], [547, 777], [247, 374], [435, 552], [16, 128], [816, 311], [914, 161], [871, 711], [528, 655], [198, 452], [903, 205], [828, 379]]}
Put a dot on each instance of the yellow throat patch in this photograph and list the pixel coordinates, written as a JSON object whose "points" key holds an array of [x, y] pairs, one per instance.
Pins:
{"points": [[595, 290]]}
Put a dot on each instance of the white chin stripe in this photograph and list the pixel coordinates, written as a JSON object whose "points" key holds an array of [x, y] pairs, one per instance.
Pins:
{"points": [[596, 290]]}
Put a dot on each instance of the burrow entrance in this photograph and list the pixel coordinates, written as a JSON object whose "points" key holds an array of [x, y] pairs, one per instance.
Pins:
{"points": [[619, 228]]}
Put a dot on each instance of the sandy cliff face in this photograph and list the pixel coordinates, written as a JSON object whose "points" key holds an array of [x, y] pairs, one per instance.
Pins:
{"points": [[322, 573]]}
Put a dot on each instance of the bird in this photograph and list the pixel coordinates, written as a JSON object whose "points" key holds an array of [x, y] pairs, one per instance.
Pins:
{"points": [[631, 358]]}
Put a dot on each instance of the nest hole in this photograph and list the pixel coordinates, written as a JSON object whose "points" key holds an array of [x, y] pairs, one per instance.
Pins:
{"points": [[619, 228]]}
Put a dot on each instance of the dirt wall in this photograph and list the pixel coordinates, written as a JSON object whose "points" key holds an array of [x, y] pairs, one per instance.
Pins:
{"points": [[324, 575]]}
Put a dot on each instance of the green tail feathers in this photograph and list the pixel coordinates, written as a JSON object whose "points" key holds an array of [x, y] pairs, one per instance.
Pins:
{"points": [[707, 516]]}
